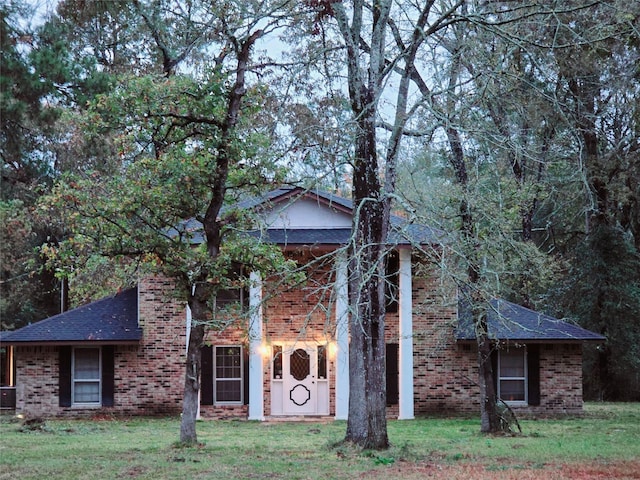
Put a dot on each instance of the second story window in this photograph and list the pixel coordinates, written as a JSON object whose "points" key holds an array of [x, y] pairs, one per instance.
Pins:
{"points": [[392, 281], [235, 297]]}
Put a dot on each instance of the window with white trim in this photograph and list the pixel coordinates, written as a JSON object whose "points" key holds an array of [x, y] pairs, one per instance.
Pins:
{"points": [[512, 375], [86, 374], [228, 368]]}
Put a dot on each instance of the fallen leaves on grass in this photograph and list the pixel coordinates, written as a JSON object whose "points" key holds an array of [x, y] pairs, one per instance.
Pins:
{"points": [[470, 471]]}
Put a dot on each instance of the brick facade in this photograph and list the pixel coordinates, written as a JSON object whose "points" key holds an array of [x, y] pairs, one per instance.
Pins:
{"points": [[149, 377], [445, 372], [158, 382], [300, 314]]}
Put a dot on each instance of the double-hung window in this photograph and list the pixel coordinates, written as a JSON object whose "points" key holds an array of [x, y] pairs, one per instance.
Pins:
{"points": [[228, 368], [512, 375], [86, 376]]}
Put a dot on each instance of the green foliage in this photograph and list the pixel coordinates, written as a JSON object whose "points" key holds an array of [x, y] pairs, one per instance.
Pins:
{"points": [[603, 294], [24, 288], [546, 113], [148, 214], [510, 267], [23, 86], [40, 82]]}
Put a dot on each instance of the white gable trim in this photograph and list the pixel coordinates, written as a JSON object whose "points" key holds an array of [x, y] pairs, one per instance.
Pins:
{"points": [[306, 213]]}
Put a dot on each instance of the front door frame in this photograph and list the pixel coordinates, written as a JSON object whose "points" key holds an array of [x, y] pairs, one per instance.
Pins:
{"points": [[308, 396], [301, 392]]}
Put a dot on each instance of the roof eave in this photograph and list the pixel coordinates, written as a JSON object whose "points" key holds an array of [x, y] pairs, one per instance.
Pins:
{"points": [[536, 340], [57, 343]]}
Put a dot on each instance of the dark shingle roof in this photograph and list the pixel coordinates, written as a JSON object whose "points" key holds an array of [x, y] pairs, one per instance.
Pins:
{"points": [[408, 234], [110, 320], [512, 322], [305, 236]]}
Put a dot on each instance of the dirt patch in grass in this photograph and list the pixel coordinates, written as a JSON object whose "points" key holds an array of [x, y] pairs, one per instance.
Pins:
{"points": [[509, 471]]}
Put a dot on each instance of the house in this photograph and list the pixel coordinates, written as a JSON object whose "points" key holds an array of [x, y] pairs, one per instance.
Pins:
{"points": [[289, 355]]}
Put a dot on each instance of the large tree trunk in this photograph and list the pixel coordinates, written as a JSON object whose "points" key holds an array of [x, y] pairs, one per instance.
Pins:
{"points": [[200, 313], [367, 423]]}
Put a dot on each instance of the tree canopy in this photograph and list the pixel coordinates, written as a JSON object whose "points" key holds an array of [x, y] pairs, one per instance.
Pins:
{"points": [[514, 127]]}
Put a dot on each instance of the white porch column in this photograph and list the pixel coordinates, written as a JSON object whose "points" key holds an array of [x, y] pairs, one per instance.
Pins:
{"points": [[406, 337], [256, 367], [342, 339]]}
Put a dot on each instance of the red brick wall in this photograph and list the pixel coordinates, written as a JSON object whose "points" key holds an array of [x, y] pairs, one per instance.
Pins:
{"points": [[446, 373], [303, 313], [149, 377], [158, 364], [560, 380], [444, 376], [36, 380]]}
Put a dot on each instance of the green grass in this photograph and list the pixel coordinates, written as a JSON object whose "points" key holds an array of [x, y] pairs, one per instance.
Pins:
{"points": [[146, 448]]}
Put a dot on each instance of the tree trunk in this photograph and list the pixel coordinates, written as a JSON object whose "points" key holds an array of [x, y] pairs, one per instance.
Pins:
{"points": [[490, 421], [191, 399], [199, 315], [489, 418], [367, 422], [199, 301]]}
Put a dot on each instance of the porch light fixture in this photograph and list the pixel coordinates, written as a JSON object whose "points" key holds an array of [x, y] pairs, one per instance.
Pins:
{"points": [[265, 350]]}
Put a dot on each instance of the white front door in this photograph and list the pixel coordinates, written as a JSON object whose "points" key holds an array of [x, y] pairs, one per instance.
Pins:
{"points": [[299, 379]]}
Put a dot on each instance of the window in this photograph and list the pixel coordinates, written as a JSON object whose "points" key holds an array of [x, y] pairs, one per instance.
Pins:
{"points": [[322, 362], [235, 297], [512, 375], [517, 374], [224, 375], [86, 376], [392, 281], [277, 362], [7, 366], [228, 385]]}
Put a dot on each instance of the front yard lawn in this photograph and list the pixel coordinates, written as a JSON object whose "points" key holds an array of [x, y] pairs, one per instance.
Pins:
{"points": [[605, 443]]}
